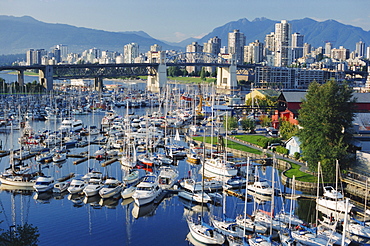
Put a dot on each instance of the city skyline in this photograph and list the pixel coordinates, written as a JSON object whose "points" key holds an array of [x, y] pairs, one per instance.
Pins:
{"points": [[175, 21]]}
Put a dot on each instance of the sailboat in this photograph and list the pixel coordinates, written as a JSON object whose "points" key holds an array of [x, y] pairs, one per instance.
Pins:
{"points": [[202, 231]]}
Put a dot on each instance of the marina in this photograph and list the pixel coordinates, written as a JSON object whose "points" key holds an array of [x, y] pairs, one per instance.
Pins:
{"points": [[123, 203]]}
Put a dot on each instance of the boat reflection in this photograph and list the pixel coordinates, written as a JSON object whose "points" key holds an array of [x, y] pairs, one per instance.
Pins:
{"points": [[109, 202], [43, 197], [146, 210], [76, 199], [91, 199], [198, 208], [28, 191], [127, 201]]}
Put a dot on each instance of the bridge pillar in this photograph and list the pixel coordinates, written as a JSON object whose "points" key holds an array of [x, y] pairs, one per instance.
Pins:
{"points": [[98, 84], [21, 78], [46, 77], [226, 79], [158, 81]]}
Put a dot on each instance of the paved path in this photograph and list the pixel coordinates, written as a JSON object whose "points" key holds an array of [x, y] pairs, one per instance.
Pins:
{"points": [[303, 167]]}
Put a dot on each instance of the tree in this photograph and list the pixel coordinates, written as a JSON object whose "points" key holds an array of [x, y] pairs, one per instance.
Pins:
{"points": [[287, 129], [265, 120], [230, 123], [248, 124], [326, 117], [26, 235]]}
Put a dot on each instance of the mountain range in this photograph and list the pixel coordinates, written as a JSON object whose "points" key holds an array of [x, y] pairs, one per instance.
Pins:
{"points": [[18, 34]]}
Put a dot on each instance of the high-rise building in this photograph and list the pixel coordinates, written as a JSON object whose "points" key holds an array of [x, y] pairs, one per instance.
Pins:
{"points": [[306, 49], [253, 53], [191, 48], [130, 52], [63, 51], [29, 57], [297, 45], [236, 43], [328, 47], [282, 44], [360, 49], [155, 48], [340, 54], [269, 43], [213, 46], [368, 52]]}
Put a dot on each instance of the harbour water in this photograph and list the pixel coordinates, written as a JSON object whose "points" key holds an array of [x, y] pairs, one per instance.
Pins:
{"points": [[66, 219], [75, 220]]}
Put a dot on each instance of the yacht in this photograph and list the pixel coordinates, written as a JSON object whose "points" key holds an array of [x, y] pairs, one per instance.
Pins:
{"points": [[44, 183], [111, 188], [333, 200], [70, 124], [220, 167], [147, 190], [76, 186], [94, 185]]}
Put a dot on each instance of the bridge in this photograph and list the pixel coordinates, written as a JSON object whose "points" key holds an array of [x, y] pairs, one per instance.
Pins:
{"points": [[155, 69]]}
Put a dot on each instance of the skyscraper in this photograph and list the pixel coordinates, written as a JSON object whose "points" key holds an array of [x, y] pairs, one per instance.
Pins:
{"points": [[282, 44], [236, 43], [328, 48], [130, 52], [297, 45], [360, 49]]}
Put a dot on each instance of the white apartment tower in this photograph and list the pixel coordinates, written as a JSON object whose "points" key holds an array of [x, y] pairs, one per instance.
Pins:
{"points": [[360, 49], [269, 43], [253, 53], [282, 44], [297, 45], [213, 46], [328, 48], [130, 52], [236, 43]]}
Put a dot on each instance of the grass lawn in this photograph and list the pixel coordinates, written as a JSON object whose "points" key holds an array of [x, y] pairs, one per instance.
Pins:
{"points": [[250, 138], [230, 144], [299, 175]]}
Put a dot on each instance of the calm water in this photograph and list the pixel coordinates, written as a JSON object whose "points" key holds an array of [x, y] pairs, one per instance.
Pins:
{"points": [[71, 220]]}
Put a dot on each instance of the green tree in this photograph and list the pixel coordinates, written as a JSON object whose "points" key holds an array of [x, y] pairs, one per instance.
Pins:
{"points": [[248, 124], [203, 74], [265, 120], [287, 129], [230, 123], [326, 117], [26, 235]]}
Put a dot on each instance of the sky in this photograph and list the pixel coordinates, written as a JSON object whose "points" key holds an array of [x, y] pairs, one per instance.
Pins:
{"points": [[176, 20]]}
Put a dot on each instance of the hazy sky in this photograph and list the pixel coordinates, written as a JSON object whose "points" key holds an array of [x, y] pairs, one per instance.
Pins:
{"points": [[176, 20]]}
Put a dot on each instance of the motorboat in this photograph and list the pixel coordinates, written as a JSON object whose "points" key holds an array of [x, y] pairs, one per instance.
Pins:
{"points": [[134, 176], [261, 187], [128, 191], [94, 185], [44, 183], [60, 187], [220, 166], [70, 124], [59, 157], [77, 185], [167, 177], [192, 185], [333, 200], [111, 188], [197, 196], [147, 190]]}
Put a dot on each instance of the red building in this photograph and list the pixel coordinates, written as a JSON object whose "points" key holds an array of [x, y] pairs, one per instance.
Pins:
{"points": [[290, 102]]}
